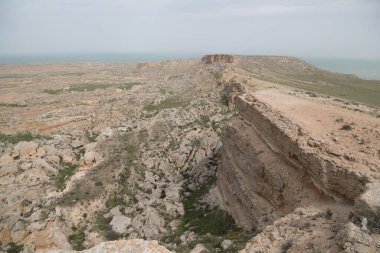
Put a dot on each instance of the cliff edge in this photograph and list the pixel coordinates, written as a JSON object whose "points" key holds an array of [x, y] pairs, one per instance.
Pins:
{"points": [[289, 163]]}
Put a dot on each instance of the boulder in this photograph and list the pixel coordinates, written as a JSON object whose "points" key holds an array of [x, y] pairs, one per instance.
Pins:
{"points": [[37, 226], [115, 211], [227, 244], [90, 158], [25, 148], [351, 239], [18, 232], [200, 248], [120, 223], [367, 205], [77, 144], [50, 150]]}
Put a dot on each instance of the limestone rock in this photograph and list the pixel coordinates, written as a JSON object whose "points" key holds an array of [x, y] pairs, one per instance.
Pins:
{"points": [[226, 244], [77, 144], [125, 246], [91, 158], [120, 223], [217, 58], [25, 148], [115, 211], [352, 239], [200, 248], [18, 232], [368, 204]]}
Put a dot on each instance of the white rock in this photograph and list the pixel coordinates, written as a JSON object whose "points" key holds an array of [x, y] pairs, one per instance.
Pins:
{"points": [[125, 246], [39, 225], [25, 148], [77, 144], [90, 158], [120, 223], [226, 244], [18, 232], [115, 211], [200, 248]]}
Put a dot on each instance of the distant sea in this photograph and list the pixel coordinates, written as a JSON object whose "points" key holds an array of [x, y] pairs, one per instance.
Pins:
{"points": [[366, 69], [113, 57]]}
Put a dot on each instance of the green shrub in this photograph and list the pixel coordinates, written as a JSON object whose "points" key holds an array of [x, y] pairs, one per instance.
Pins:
{"points": [[64, 174], [77, 240], [17, 138]]}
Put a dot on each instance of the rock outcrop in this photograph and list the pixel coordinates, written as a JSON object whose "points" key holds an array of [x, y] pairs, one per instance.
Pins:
{"points": [[217, 58], [288, 165], [271, 165], [126, 246]]}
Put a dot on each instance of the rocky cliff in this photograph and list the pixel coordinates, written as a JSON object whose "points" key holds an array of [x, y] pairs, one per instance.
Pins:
{"points": [[282, 154], [217, 58]]}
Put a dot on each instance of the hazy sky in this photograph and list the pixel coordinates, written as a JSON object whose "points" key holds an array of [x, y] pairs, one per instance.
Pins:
{"points": [[338, 28]]}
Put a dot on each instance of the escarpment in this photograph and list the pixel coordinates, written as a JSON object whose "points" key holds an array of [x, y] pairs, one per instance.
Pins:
{"points": [[280, 154], [217, 58]]}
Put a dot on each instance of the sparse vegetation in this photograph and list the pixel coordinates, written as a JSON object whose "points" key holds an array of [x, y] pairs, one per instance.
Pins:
{"points": [[204, 120], [128, 86], [318, 81], [211, 226], [77, 239], [103, 225], [91, 137], [286, 246], [13, 105], [15, 248], [64, 174], [79, 154], [90, 87], [166, 104], [346, 127], [17, 138], [218, 75]]}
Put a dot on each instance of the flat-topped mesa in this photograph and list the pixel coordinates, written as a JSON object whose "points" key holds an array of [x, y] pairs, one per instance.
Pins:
{"points": [[217, 58], [274, 160]]}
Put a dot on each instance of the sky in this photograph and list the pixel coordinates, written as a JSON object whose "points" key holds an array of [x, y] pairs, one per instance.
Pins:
{"points": [[315, 28]]}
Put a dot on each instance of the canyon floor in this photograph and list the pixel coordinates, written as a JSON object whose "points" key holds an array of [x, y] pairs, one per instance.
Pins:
{"points": [[219, 154]]}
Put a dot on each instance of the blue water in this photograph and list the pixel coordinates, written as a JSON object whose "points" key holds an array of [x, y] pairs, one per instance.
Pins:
{"points": [[366, 69]]}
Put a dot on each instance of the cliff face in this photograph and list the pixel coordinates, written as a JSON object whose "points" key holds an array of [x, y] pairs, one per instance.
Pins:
{"points": [[273, 162], [217, 58]]}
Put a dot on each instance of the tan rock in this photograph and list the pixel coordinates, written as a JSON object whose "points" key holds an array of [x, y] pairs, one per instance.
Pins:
{"points": [[25, 148], [125, 246], [120, 223], [353, 240], [368, 204], [200, 248], [18, 232]]}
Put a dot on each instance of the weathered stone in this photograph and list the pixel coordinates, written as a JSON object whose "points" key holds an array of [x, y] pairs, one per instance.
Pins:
{"points": [[25, 148], [125, 246], [368, 204], [18, 232], [115, 211], [77, 144], [90, 158], [226, 244], [352, 239], [38, 225], [120, 223], [200, 248]]}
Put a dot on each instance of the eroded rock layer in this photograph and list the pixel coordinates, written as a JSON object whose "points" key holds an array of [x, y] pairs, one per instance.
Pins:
{"points": [[272, 163]]}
